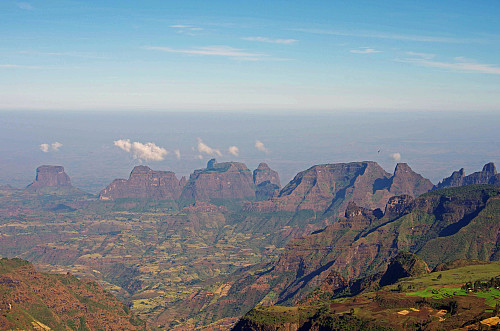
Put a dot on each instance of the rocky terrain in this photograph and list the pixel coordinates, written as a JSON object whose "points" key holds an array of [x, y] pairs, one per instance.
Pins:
{"points": [[31, 300]]}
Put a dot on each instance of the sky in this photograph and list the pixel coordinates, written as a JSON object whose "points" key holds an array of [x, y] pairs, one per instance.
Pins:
{"points": [[250, 55]]}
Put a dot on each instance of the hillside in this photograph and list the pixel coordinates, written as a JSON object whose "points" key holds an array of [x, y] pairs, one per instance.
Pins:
{"points": [[462, 298], [38, 301]]}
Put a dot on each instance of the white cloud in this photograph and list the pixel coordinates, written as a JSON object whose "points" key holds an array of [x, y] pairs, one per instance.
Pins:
{"points": [[460, 64], [233, 150], [261, 147], [123, 144], [25, 6], [54, 147], [185, 29], [226, 51], [177, 154], [381, 35], [426, 56], [44, 148], [146, 152], [364, 50], [270, 40], [396, 157], [204, 148]]}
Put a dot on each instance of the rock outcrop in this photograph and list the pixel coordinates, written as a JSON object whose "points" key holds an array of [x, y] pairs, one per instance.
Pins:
{"points": [[144, 183], [50, 176], [226, 180], [488, 175]]}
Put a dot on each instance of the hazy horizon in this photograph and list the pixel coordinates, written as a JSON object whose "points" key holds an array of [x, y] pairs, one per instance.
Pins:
{"points": [[434, 144]]}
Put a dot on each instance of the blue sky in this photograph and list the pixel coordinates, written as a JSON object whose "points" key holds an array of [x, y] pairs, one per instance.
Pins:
{"points": [[250, 55]]}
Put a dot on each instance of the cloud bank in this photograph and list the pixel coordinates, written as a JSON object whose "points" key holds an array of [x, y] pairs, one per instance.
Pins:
{"points": [[145, 152], [54, 147]]}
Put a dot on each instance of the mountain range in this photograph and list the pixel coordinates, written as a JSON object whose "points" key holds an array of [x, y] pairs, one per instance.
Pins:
{"points": [[201, 252]]}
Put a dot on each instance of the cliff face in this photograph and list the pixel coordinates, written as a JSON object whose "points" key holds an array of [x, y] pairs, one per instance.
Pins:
{"points": [[227, 180], [488, 175], [144, 183], [50, 176]]}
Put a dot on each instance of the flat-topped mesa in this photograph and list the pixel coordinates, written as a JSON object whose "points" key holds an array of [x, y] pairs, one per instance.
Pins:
{"points": [[406, 181], [226, 180], [144, 183], [50, 176], [488, 175]]}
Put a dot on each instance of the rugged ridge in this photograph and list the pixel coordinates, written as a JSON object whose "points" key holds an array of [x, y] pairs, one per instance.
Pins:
{"points": [[50, 176], [144, 183], [226, 180], [488, 175], [328, 188]]}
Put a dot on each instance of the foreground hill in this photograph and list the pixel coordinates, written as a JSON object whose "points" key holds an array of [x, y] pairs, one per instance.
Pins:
{"points": [[466, 297], [38, 301]]}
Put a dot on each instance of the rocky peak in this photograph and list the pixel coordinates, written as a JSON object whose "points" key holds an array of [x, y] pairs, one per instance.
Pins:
{"points": [[406, 181], [490, 168], [264, 173], [144, 183], [50, 176]]}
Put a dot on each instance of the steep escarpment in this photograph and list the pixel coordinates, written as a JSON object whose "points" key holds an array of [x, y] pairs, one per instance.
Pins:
{"points": [[226, 180], [144, 183], [32, 300], [488, 175]]}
